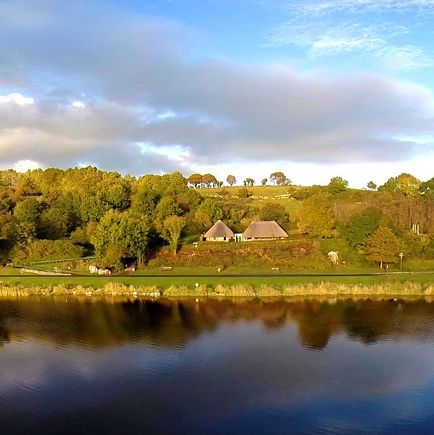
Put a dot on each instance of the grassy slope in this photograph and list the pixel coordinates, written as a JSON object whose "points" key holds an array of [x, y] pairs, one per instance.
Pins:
{"points": [[259, 196]]}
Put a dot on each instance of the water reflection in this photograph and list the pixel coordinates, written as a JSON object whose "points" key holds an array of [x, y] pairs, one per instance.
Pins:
{"points": [[108, 322], [216, 367]]}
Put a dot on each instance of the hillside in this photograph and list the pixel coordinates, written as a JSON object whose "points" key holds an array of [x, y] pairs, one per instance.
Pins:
{"points": [[153, 221]]}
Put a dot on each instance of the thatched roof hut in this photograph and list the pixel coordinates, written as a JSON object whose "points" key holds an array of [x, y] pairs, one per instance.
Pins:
{"points": [[264, 230], [219, 232]]}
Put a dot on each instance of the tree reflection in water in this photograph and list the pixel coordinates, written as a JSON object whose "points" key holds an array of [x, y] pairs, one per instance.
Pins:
{"points": [[108, 322]]}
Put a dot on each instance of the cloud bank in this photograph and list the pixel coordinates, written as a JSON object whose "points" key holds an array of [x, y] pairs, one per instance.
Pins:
{"points": [[87, 83]]}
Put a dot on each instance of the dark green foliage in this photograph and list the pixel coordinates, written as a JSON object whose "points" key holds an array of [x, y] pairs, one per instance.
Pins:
{"points": [[273, 211], [362, 225]]}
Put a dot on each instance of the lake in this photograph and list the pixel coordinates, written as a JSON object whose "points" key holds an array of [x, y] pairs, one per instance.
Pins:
{"points": [[78, 366]]}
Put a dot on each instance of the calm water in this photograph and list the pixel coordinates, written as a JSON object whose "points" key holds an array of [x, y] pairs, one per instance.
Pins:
{"points": [[214, 367]]}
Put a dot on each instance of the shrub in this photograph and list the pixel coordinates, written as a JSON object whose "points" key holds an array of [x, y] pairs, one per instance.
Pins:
{"points": [[41, 250]]}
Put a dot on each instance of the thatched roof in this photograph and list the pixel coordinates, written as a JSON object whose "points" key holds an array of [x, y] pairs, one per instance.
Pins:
{"points": [[219, 229], [264, 230]]}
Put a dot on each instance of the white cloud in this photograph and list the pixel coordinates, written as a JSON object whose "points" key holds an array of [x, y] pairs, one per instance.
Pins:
{"points": [[16, 98], [141, 86], [376, 41], [331, 6], [26, 165], [404, 57], [78, 104]]}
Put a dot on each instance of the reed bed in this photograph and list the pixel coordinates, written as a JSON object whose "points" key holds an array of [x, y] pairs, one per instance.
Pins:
{"points": [[329, 289]]}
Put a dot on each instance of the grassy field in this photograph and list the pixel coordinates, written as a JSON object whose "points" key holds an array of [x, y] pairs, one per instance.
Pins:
{"points": [[259, 195], [166, 281]]}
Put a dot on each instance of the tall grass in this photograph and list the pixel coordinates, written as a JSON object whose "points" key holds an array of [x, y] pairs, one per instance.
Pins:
{"points": [[331, 289]]}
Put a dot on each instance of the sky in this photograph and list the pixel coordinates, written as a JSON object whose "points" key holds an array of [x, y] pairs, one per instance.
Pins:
{"points": [[313, 88]]}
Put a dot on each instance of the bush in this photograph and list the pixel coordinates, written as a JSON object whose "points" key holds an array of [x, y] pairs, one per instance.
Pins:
{"points": [[42, 250], [243, 192]]}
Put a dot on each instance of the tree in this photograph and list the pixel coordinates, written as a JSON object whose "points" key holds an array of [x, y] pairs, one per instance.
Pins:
{"points": [[206, 214], [280, 179], [337, 185], [249, 182], [404, 183], [127, 230], [371, 186], [117, 195], [38, 250], [28, 211], [382, 247], [264, 181], [171, 231], [195, 180], [273, 211], [209, 180], [427, 187], [167, 206], [362, 225], [231, 180], [315, 217]]}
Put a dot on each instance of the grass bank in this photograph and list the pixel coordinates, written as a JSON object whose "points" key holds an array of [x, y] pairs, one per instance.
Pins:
{"points": [[378, 285]]}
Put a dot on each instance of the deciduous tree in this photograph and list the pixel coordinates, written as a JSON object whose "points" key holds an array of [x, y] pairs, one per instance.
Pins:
{"points": [[231, 180], [337, 185], [273, 211], [315, 217], [209, 180], [382, 247], [362, 225], [404, 183], [280, 179], [171, 231], [195, 180], [371, 186]]}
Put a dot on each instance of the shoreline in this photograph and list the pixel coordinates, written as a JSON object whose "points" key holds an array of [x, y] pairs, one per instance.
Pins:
{"points": [[328, 289]]}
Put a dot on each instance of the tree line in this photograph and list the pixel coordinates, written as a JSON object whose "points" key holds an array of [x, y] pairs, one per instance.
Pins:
{"points": [[55, 213], [278, 178]]}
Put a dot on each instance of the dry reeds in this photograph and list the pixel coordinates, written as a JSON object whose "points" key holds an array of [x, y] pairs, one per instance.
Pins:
{"points": [[329, 289]]}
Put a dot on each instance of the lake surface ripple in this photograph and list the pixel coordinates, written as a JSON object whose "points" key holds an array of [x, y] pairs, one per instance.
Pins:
{"points": [[78, 366]]}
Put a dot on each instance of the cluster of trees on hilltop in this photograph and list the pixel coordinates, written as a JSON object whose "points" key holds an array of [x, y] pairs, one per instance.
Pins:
{"points": [[278, 178]]}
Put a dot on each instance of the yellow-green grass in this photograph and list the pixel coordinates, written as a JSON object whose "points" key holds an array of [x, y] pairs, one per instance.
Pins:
{"points": [[269, 191], [164, 282], [203, 288], [259, 195]]}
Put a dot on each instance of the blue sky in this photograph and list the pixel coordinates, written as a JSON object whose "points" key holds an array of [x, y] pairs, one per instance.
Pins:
{"points": [[315, 88]]}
